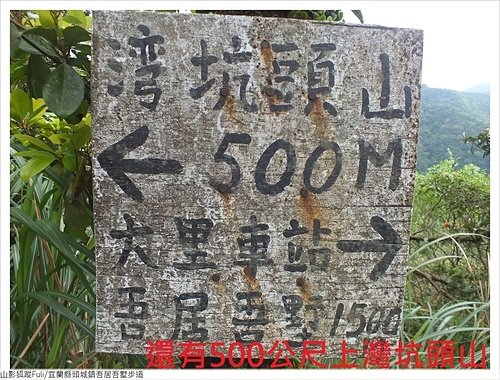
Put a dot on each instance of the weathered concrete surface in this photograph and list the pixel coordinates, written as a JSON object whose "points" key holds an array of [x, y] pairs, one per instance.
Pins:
{"points": [[341, 294]]}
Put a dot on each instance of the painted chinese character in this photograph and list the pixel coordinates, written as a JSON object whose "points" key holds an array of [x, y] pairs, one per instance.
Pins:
{"points": [[320, 71], [386, 112], [188, 307], [128, 235], [253, 249], [252, 315], [237, 56], [295, 251], [280, 96], [293, 305], [194, 232]]}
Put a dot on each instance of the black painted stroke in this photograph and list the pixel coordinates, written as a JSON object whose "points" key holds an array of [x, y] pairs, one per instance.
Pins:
{"points": [[390, 243], [112, 160]]}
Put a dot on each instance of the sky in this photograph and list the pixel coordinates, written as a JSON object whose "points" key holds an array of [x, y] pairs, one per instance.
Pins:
{"points": [[459, 48]]}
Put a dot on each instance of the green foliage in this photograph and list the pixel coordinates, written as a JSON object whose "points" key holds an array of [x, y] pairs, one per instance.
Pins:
{"points": [[450, 199], [460, 322], [49, 103], [446, 116], [319, 15], [47, 265], [322, 15], [447, 292], [481, 141], [63, 91], [52, 50], [359, 15]]}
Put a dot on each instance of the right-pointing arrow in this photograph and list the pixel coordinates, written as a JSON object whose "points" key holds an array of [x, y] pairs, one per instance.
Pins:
{"points": [[390, 243]]}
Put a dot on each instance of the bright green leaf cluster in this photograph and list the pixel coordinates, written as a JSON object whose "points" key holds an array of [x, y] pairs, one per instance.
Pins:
{"points": [[56, 47], [324, 15], [448, 199]]}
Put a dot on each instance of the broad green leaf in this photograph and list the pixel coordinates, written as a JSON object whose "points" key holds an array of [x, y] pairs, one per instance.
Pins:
{"points": [[64, 91], [81, 137], [15, 40], [34, 153], [37, 103], [86, 49], [20, 104], [46, 18], [82, 61], [49, 34], [38, 72], [35, 166], [77, 217], [34, 141], [79, 15], [71, 20], [69, 161], [49, 172], [39, 109], [34, 44], [74, 35], [77, 116], [56, 139], [18, 73], [359, 15], [89, 20]]}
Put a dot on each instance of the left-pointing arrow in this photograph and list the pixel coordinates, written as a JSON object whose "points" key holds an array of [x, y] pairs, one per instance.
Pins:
{"points": [[112, 160], [391, 244]]}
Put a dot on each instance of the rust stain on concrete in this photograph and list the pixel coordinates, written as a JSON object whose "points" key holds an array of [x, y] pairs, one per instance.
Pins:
{"points": [[305, 289], [318, 117], [229, 106], [309, 207]]}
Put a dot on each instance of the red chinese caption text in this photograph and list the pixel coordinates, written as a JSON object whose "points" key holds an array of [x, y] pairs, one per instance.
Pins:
{"points": [[375, 354]]}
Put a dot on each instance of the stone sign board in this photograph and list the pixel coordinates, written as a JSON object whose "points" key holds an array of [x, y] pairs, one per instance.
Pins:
{"points": [[253, 179]]}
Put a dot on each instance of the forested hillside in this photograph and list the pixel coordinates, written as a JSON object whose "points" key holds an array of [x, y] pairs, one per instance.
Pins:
{"points": [[445, 116]]}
